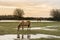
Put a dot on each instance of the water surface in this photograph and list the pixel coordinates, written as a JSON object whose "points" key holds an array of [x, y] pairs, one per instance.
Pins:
{"points": [[25, 20], [32, 36]]}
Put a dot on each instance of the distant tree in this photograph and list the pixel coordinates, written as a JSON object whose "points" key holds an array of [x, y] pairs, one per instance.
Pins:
{"points": [[18, 12], [55, 13]]}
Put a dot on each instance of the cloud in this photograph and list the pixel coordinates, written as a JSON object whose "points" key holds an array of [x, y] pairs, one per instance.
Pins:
{"points": [[30, 7], [37, 10], [13, 2], [7, 7], [8, 1]]}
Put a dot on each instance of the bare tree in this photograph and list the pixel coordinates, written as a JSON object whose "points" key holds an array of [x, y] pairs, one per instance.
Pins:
{"points": [[55, 13], [18, 12]]}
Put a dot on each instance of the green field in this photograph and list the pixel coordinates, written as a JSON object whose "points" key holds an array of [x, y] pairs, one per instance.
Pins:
{"points": [[8, 28]]}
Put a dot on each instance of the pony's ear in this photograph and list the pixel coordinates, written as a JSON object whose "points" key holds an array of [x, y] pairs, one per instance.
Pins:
{"points": [[28, 21], [22, 21]]}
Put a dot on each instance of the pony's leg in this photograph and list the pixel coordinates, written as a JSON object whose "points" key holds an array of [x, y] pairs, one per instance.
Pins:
{"points": [[22, 36], [18, 27], [18, 36], [23, 31], [28, 30]]}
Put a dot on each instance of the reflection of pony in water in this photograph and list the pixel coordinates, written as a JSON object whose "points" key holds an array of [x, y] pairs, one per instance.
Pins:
{"points": [[22, 25]]}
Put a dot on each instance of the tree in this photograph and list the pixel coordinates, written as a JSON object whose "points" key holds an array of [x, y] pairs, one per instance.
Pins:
{"points": [[18, 12], [55, 13]]}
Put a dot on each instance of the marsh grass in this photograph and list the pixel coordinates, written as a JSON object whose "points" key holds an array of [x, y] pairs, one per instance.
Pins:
{"points": [[47, 39], [8, 28]]}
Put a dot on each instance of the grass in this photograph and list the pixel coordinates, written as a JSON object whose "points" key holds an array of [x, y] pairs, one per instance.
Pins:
{"points": [[46, 39], [43, 24], [8, 27]]}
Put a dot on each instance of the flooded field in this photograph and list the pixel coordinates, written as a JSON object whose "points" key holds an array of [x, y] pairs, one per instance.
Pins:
{"points": [[48, 30], [32, 36]]}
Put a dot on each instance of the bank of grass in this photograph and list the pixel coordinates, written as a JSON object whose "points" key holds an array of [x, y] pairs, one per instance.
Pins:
{"points": [[8, 28], [47, 39], [33, 24], [11, 31], [43, 24]]}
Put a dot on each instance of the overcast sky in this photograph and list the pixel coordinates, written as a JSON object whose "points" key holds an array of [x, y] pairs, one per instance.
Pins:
{"points": [[32, 8]]}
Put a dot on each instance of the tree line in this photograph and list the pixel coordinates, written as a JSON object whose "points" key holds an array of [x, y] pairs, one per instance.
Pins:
{"points": [[18, 15]]}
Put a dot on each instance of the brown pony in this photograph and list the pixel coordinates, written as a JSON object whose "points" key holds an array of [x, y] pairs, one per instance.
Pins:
{"points": [[22, 25]]}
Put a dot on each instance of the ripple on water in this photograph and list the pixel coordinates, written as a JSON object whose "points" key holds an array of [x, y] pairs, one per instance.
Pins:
{"points": [[14, 36], [39, 28]]}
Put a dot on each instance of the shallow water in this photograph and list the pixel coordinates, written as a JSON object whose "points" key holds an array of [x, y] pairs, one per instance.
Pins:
{"points": [[14, 36], [25, 20], [39, 28]]}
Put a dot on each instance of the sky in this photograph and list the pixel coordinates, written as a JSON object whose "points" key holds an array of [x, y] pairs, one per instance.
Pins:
{"points": [[32, 8]]}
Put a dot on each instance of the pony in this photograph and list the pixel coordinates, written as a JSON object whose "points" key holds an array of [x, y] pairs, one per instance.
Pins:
{"points": [[22, 25]]}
